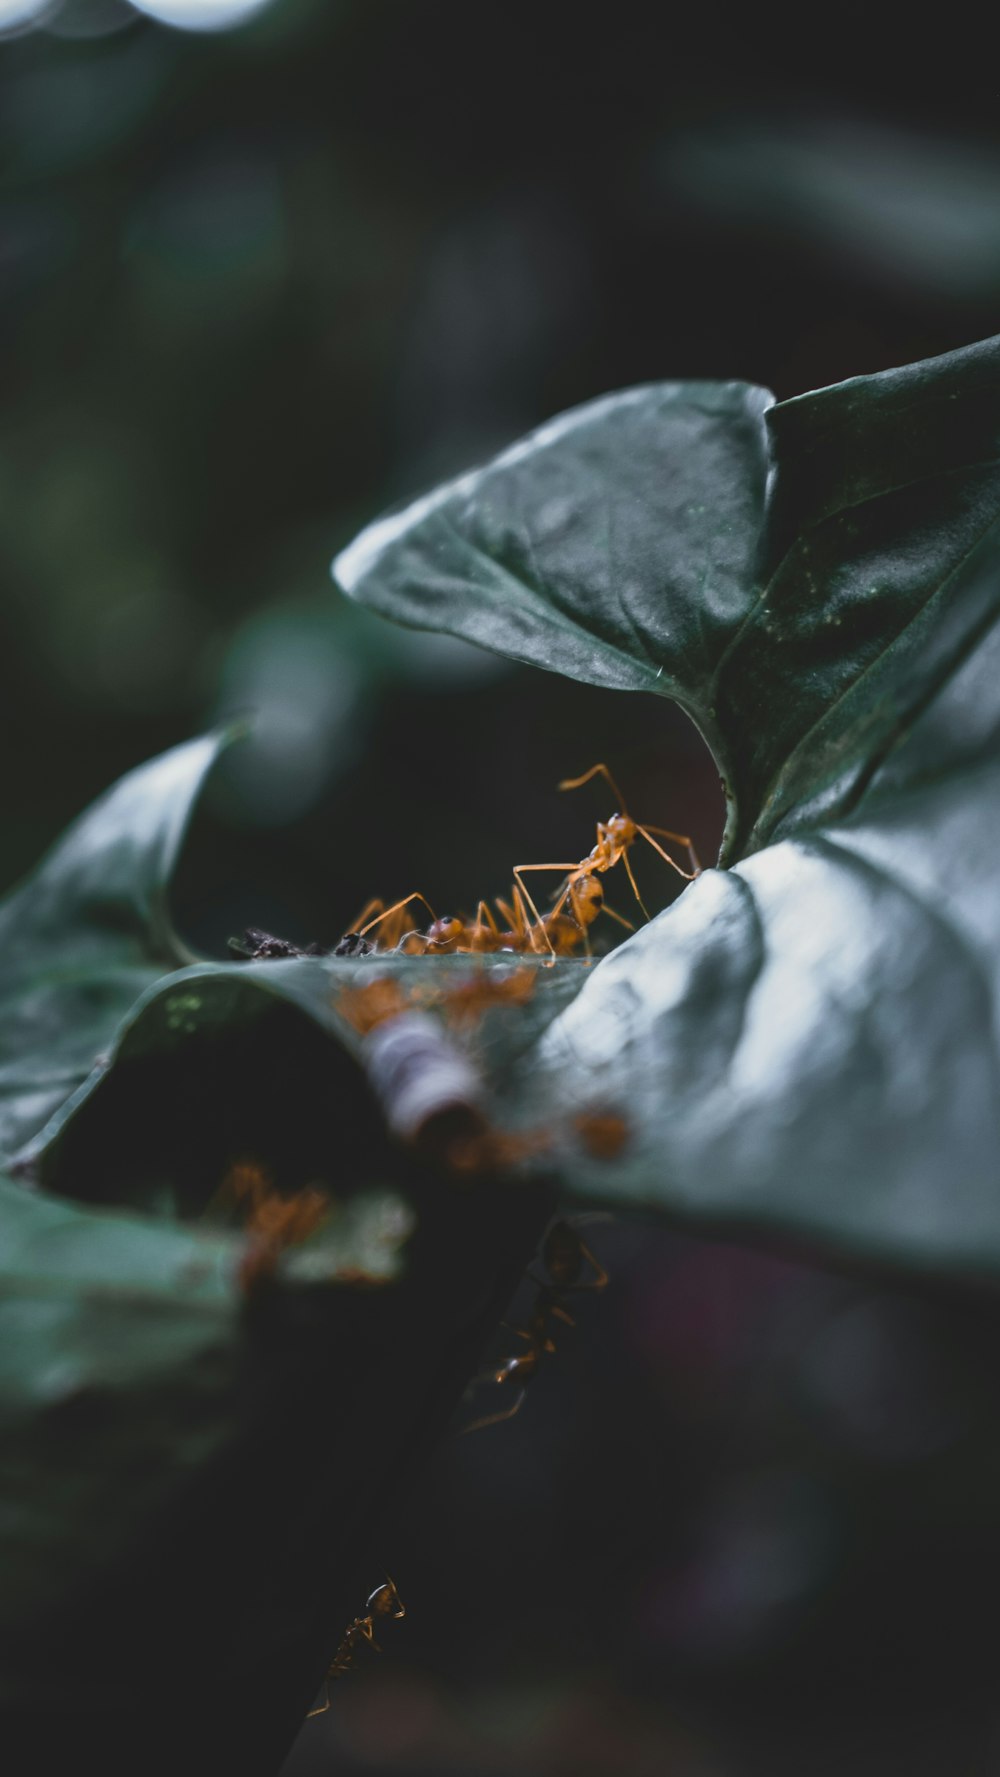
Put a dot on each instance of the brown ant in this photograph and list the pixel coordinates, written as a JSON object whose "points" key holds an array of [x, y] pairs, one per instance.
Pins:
{"points": [[258, 946], [383, 1602], [565, 1260], [614, 839]]}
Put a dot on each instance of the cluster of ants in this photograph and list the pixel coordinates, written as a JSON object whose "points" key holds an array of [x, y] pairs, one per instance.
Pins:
{"points": [[569, 1268], [513, 925], [517, 925]]}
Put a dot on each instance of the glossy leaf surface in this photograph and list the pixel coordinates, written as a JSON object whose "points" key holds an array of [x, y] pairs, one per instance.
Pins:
{"points": [[87, 932], [777, 570], [160, 1439], [806, 1042]]}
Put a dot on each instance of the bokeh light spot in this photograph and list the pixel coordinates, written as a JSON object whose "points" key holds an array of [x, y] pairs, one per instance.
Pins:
{"points": [[201, 15], [21, 15]]}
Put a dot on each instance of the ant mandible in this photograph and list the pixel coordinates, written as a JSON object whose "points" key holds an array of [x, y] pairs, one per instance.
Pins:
{"points": [[383, 1602], [614, 840], [565, 1259]]}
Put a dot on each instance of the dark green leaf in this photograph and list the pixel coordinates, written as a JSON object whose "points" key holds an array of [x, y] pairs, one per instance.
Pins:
{"points": [[188, 1025], [807, 1041], [166, 1437], [555, 555], [87, 932], [763, 566], [118, 1346]]}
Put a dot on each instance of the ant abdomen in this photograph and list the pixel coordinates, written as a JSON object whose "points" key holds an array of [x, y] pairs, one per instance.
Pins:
{"points": [[587, 899]]}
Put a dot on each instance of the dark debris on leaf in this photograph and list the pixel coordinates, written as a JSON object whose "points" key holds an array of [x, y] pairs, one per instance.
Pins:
{"points": [[257, 946]]}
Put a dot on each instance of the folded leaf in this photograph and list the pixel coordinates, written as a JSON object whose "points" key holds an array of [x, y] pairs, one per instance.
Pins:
{"points": [[87, 932], [806, 1043]]}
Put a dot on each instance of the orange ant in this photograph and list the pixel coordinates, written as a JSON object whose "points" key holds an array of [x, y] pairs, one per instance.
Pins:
{"points": [[467, 1002], [564, 1259], [274, 1222], [450, 934], [277, 1223], [399, 926], [383, 1602], [614, 839], [562, 932], [375, 1003]]}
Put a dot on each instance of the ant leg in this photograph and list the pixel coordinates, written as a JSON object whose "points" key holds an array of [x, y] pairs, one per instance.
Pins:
{"points": [[518, 924], [323, 1706], [484, 920], [370, 908], [493, 1418], [647, 834], [416, 896], [627, 923], [574, 783], [521, 924], [600, 1277], [523, 888], [635, 885], [572, 1253]]}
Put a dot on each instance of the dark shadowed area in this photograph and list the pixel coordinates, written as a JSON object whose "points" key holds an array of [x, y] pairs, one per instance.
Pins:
{"points": [[260, 282]]}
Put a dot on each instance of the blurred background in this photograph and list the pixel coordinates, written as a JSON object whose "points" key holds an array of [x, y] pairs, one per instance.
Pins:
{"points": [[267, 268]]}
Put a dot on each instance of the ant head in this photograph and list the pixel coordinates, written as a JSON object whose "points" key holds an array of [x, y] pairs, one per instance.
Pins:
{"points": [[622, 828], [385, 1601], [444, 933]]}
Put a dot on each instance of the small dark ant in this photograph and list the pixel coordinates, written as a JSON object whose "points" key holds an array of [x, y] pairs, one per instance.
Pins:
{"points": [[564, 1260], [383, 1602], [352, 944], [257, 946]]}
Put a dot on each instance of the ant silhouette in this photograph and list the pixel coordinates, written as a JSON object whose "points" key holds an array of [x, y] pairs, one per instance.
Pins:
{"points": [[615, 837], [383, 1602], [565, 1261]]}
